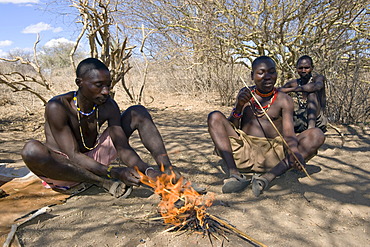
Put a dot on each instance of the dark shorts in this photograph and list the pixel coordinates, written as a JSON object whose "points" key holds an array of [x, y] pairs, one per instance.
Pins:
{"points": [[301, 122]]}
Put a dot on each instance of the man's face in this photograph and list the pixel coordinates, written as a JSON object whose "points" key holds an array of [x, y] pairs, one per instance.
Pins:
{"points": [[304, 68], [264, 75], [95, 85]]}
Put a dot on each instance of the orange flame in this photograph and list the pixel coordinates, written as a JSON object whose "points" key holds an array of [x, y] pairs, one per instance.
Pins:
{"points": [[173, 194]]}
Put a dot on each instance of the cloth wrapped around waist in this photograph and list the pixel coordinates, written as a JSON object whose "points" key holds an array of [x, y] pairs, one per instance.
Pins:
{"points": [[256, 154]]}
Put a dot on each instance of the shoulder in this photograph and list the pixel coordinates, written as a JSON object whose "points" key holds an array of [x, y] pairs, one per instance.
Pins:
{"points": [[58, 106], [59, 101], [284, 98], [318, 78], [109, 104]]}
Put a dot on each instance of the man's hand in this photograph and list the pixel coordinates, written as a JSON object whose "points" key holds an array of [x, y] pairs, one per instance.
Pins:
{"points": [[153, 174], [294, 163], [129, 176], [244, 96]]}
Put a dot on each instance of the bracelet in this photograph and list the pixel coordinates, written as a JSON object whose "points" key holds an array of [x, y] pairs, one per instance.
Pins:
{"points": [[236, 115], [146, 170], [109, 175]]}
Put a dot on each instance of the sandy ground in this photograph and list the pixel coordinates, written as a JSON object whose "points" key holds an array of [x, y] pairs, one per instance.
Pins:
{"points": [[332, 209]]}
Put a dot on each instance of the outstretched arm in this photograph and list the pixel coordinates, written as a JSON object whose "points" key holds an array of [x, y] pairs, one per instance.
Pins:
{"points": [[316, 85], [290, 86]]}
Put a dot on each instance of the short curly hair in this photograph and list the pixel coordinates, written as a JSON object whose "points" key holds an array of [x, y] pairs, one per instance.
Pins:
{"points": [[89, 64]]}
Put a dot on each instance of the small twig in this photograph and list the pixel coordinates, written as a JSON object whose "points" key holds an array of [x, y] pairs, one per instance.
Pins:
{"points": [[237, 231], [214, 235], [170, 192], [209, 234], [174, 227], [276, 129]]}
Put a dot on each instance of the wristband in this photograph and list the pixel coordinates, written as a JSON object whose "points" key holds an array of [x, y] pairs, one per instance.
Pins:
{"points": [[146, 170], [236, 115], [108, 171], [109, 175]]}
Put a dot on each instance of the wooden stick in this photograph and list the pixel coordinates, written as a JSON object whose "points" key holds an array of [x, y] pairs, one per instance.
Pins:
{"points": [[242, 234], [276, 129], [15, 226]]}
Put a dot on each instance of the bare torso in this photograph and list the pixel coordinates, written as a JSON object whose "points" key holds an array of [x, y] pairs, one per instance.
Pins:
{"points": [[261, 126], [66, 113]]}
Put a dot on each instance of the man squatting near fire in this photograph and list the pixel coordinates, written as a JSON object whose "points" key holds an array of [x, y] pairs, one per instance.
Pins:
{"points": [[75, 154], [248, 142]]}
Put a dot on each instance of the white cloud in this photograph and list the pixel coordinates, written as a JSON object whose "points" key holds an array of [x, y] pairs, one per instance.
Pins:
{"points": [[37, 28], [5, 42], [56, 42], [41, 26], [19, 1], [57, 30]]}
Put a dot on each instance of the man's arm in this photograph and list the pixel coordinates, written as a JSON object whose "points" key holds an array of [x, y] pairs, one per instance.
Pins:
{"points": [[290, 86], [316, 85], [126, 153], [57, 119], [242, 98]]}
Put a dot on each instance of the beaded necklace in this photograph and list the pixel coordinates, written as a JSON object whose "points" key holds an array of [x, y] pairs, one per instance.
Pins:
{"points": [[302, 102], [79, 109], [79, 122], [263, 95], [258, 112]]}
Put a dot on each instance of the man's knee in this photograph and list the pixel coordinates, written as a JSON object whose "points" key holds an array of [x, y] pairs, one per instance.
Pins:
{"points": [[138, 112], [314, 137], [33, 151], [213, 117], [318, 136]]}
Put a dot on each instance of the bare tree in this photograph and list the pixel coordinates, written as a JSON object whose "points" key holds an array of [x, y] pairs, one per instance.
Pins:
{"points": [[105, 37], [237, 31], [25, 81]]}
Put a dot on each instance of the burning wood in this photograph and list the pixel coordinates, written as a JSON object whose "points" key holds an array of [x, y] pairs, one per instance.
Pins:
{"points": [[185, 209]]}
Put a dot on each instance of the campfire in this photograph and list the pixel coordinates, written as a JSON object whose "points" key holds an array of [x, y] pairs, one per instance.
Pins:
{"points": [[185, 209]]}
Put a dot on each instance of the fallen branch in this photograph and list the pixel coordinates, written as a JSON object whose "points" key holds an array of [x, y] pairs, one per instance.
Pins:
{"points": [[15, 226]]}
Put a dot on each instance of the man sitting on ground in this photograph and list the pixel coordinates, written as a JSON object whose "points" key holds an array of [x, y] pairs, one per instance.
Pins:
{"points": [[248, 142], [75, 153], [308, 93]]}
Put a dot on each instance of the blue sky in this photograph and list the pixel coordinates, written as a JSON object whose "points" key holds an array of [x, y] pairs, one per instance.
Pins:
{"points": [[21, 20]]}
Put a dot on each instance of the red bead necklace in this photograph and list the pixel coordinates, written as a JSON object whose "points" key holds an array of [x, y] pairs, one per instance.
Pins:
{"points": [[264, 95], [257, 109]]}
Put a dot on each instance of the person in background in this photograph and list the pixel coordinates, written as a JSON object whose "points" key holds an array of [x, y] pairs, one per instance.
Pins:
{"points": [[308, 93], [248, 142]]}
